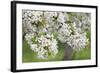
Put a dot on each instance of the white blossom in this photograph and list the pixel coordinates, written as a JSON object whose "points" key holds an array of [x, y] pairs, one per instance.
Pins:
{"points": [[50, 17], [77, 41], [45, 44], [64, 32], [62, 17]]}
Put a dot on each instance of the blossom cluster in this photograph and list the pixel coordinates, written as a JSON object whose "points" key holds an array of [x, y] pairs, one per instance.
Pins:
{"points": [[78, 41], [44, 45], [42, 26], [82, 21], [30, 20], [56, 22]]}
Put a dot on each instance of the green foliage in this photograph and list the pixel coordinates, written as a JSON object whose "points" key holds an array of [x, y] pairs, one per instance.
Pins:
{"points": [[82, 55]]}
